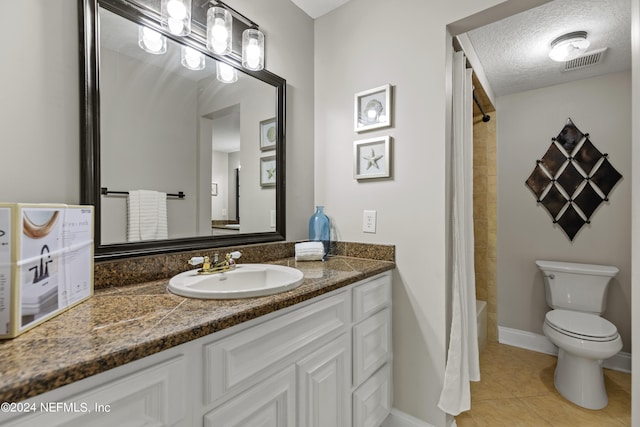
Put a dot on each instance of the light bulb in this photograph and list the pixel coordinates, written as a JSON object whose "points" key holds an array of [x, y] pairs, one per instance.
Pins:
{"points": [[175, 26], [253, 49], [253, 53], [151, 41], [176, 10], [176, 16], [219, 30], [191, 58], [226, 73]]}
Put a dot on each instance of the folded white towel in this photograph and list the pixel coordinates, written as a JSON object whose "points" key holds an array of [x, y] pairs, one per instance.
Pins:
{"points": [[147, 215], [309, 251]]}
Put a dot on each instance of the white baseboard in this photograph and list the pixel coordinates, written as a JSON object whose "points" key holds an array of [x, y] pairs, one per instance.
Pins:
{"points": [[540, 343], [400, 419]]}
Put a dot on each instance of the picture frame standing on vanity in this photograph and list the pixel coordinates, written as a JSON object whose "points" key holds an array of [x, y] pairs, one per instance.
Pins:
{"points": [[268, 134], [268, 171], [372, 109], [372, 158]]}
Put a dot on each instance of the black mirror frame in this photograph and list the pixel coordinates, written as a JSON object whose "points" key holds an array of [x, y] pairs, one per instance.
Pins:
{"points": [[90, 135]]}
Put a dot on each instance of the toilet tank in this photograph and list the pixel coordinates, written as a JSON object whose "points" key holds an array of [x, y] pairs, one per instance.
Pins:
{"points": [[578, 287]]}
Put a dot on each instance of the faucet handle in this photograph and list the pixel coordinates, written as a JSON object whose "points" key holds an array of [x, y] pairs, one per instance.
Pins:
{"points": [[235, 254], [197, 260]]}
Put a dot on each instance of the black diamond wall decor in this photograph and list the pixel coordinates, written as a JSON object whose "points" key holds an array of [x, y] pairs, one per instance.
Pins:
{"points": [[580, 182], [538, 181]]}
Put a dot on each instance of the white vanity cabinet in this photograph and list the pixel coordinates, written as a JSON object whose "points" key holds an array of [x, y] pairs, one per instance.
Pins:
{"points": [[325, 362]]}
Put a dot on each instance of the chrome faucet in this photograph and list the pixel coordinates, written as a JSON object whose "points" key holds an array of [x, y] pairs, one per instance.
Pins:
{"points": [[227, 264]]}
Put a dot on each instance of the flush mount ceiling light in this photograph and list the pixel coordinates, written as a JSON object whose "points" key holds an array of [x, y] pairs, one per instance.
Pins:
{"points": [[569, 46], [176, 16]]}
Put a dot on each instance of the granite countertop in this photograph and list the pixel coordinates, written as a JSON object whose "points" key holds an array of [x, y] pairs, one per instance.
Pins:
{"points": [[121, 324]]}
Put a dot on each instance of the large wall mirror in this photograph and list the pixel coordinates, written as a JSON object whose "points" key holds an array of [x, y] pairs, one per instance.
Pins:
{"points": [[153, 125]]}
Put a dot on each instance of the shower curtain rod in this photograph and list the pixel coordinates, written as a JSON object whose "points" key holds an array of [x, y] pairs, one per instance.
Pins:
{"points": [[485, 117]]}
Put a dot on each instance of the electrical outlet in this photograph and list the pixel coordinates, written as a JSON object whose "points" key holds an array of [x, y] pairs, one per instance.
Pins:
{"points": [[273, 218], [369, 221]]}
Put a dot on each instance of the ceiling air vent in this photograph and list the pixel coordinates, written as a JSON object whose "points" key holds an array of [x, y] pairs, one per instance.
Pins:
{"points": [[593, 58]]}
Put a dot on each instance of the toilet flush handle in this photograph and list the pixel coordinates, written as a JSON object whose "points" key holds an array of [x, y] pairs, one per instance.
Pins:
{"points": [[550, 276]]}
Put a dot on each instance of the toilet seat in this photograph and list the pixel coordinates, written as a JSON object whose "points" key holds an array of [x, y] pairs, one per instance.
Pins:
{"points": [[584, 326]]}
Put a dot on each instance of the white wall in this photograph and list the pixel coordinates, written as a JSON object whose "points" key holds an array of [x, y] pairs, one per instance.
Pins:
{"points": [[526, 122], [365, 44]]}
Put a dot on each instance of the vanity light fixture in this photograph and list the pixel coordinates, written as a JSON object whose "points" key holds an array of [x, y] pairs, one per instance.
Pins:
{"points": [[176, 16], [225, 73], [253, 49], [191, 58], [151, 41], [219, 30], [569, 46]]}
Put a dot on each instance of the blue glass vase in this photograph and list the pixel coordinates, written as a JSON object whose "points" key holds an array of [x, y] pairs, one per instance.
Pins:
{"points": [[320, 228]]}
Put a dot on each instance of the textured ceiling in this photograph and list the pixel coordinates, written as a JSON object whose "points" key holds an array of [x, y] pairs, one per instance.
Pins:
{"points": [[514, 51]]}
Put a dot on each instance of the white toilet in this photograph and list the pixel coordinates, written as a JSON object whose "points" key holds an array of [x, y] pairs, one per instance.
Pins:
{"points": [[577, 293]]}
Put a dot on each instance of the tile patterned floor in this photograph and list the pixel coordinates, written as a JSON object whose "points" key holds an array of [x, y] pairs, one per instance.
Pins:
{"points": [[517, 390]]}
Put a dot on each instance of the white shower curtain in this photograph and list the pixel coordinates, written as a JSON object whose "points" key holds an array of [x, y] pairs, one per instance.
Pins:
{"points": [[462, 359]]}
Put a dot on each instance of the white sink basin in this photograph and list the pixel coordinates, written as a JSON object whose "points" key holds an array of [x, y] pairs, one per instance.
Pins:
{"points": [[245, 281]]}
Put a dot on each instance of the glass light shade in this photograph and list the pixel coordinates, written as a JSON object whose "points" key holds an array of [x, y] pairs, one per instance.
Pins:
{"points": [[191, 58], [219, 30], [176, 16], [226, 73], [253, 49], [569, 46], [151, 41]]}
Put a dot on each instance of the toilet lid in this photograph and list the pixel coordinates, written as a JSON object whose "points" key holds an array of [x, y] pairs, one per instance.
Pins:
{"points": [[581, 325]]}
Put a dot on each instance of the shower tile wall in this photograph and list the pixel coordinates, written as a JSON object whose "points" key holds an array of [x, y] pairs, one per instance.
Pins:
{"points": [[485, 218]]}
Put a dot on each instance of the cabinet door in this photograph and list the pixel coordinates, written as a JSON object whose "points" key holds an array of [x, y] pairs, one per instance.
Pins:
{"points": [[372, 400], [271, 403], [155, 396], [372, 345], [324, 385], [237, 361]]}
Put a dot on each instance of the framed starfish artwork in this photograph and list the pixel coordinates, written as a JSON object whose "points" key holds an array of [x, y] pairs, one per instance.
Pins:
{"points": [[268, 171], [372, 158]]}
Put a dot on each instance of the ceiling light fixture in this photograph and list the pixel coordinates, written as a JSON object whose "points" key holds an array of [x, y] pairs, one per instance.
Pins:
{"points": [[569, 46]]}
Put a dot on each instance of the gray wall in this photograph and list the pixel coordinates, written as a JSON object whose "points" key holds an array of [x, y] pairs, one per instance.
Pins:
{"points": [[39, 111], [526, 122], [149, 141], [362, 45]]}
